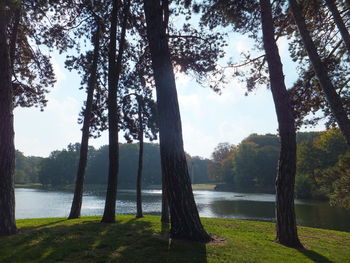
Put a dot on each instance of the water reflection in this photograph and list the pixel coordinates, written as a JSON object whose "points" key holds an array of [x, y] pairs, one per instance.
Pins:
{"points": [[34, 203]]}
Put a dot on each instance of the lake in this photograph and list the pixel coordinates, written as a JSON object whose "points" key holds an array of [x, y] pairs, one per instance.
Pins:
{"points": [[36, 203]]}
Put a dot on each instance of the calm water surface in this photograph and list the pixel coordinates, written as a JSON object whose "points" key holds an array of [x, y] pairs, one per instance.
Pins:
{"points": [[34, 203]]}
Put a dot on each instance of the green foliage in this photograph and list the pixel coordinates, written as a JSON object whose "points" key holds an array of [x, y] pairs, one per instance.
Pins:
{"points": [[303, 187], [244, 172], [255, 163], [220, 167], [143, 240], [316, 164], [27, 168], [341, 194], [322, 165], [198, 168], [60, 167]]}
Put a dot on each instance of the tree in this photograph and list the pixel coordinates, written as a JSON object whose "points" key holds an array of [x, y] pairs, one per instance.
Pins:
{"points": [[185, 221], [143, 123], [243, 16], [341, 197], [285, 214], [220, 167], [332, 6], [79, 184], [7, 147], [59, 168], [245, 169], [333, 98], [114, 71], [317, 168], [32, 71]]}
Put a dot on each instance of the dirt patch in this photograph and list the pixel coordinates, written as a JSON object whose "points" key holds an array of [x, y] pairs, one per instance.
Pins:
{"points": [[217, 241]]}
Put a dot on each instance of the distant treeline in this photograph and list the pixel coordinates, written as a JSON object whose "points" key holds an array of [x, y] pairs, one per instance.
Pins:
{"points": [[323, 166], [59, 169]]}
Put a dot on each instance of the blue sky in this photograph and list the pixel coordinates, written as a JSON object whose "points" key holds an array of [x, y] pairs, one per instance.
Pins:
{"points": [[207, 118]]}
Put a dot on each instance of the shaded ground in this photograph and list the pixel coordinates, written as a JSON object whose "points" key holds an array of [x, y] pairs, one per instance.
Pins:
{"points": [[141, 240]]}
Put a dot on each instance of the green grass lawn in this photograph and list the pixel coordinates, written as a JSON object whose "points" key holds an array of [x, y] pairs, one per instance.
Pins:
{"points": [[29, 185], [131, 240], [203, 186]]}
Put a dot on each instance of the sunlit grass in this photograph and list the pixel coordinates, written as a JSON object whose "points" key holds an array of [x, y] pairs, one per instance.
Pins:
{"points": [[131, 240], [203, 186]]}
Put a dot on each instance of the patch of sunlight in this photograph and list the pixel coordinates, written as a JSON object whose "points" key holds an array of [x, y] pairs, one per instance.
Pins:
{"points": [[47, 253]]}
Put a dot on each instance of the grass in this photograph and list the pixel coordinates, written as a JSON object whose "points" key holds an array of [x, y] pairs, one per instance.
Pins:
{"points": [[203, 186], [101, 187], [131, 240], [29, 185]]}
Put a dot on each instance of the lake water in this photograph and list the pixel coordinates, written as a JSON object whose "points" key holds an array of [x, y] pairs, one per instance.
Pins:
{"points": [[35, 203]]}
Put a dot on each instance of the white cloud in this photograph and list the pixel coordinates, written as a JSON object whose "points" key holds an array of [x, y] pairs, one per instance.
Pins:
{"points": [[197, 141], [282, 44], [58, 69]]}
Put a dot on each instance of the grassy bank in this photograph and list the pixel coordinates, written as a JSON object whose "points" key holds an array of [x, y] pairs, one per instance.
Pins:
{"points": [[131, 240], [102, 187], [203, 186], [29, 185]]}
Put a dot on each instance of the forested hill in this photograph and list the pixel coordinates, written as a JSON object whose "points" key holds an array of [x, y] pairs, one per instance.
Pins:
{"points": [[323, 170], [60, 167]]}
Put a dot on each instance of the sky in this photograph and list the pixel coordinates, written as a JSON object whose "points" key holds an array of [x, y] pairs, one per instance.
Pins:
{"points": [[207, 117]]}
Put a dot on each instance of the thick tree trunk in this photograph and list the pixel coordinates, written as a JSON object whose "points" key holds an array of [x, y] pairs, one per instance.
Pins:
{"points": [[139, 170], [79, 182], [114, 70], [165, 206], [285, 215], [339, 22], [7, 147], [185, 221], [332, 96]]}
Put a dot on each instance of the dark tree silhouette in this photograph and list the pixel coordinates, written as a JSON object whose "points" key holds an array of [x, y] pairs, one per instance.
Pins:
{"points": [[185, 221], [7, 147], [285, 214], [328, 88], [140, 119], [79, 183], [114, 71], [332, 6]]}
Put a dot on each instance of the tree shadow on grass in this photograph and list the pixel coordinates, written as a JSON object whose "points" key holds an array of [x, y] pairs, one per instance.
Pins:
{"points": [[127, 241], [25, 228], [314, 256]]}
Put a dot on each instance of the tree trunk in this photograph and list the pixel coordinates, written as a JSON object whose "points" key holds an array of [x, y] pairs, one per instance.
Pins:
{"points": [[7, 147], [332, 96], [285, 215], [165, 206], [139, 170], [114, 70], [79, 183], [339, 22], [185, 221]]}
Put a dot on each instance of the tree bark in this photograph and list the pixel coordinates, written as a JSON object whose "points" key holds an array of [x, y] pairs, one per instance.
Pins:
{"points": [[7, 147], [139, 170], [79, 183], [339, 22], [184, 217], [285, 215], [114, 70], [332, 96], [165, 206]]}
